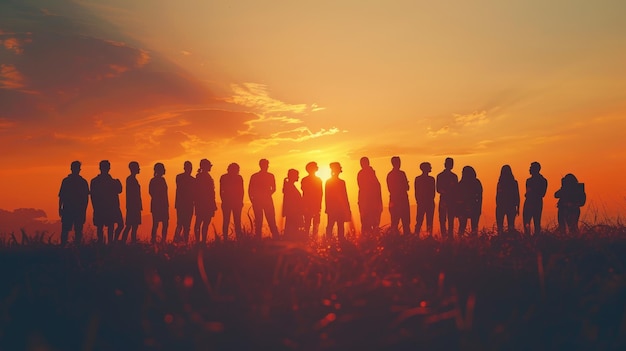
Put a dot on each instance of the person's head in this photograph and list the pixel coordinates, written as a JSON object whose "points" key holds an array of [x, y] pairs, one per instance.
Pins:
{"points": [[535, 167], [395, 162], [569, 180], [105, 166], [134, 167], [312, 167], [187, 167], [233, 168], [293, 175], [365, 162], [205, 165], [159, 169], [468, 173], [426, 167], [335, 168], [506, 172], [448, 163], [75, 167], [264, 164]]}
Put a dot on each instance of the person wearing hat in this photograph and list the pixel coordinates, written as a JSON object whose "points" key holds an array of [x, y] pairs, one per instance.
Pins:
{"points": [[337, 205]]}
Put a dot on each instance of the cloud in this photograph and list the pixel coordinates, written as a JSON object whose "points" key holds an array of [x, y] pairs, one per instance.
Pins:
{"points": [[10, 77], [296, 135], [472, 119], [14, 42], [457, 122], [257, 97]]}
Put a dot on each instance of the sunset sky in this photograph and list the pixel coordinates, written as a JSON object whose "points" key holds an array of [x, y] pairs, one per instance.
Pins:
{"points": [[485, 82]]}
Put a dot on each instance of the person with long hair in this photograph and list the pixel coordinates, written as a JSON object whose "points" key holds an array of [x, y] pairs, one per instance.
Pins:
{"points": [[469, 200], [571, 197], [204, 202], [507, 199], [292, 206]]}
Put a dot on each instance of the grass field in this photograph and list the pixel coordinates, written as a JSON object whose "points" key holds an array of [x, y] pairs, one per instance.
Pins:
{"points": [[382, 293]]}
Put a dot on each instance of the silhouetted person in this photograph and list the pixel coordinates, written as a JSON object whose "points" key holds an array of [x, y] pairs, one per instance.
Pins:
{"points": [[260, 190], [134, 205], [292, 207], [447, 182], [337, 205], [536, 187], [571, 197], [470, 200], [73, 199], [205, 204], [370, 198], [425, 199], [105, 201], [507, 199], [312, 192], [185, 192], [159, 203], [399, 207], [231, 194]]}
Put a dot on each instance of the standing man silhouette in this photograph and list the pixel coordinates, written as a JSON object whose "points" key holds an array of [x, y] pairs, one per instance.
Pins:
{"points": [[204, 201], [73, 199], [159, 204], [260, 190], [447, 182], [105, 201], [231, 194], [185, 192], [536, 187], [370, 198], [312, 193], [133, 203], [399, 207], [425, 199], [337, 205]]}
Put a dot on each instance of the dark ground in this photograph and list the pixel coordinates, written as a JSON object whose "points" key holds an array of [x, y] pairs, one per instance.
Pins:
{"points": [[385, 293]]}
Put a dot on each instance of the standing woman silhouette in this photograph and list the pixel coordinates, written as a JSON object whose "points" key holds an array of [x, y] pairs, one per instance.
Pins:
{"points": [[205, 205], [507, 199], [292, 207], [470, 200], [159, 203]]}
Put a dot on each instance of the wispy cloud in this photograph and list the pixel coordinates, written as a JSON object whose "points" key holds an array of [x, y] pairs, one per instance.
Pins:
{"points": [[10, 77], [296, 135], [257, 97], [458, 122]]}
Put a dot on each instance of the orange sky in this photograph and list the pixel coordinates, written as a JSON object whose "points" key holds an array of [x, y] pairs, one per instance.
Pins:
{"points": [[485, 82]]}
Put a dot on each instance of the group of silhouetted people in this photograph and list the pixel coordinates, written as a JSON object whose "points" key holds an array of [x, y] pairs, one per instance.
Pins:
{"points": [[460, 199]]}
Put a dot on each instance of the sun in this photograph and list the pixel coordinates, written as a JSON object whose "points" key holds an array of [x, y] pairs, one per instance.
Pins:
{"points": [[323, 172]]}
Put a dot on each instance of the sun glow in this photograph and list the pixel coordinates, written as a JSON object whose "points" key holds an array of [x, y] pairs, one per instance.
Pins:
{"points": [[323, 173]]}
